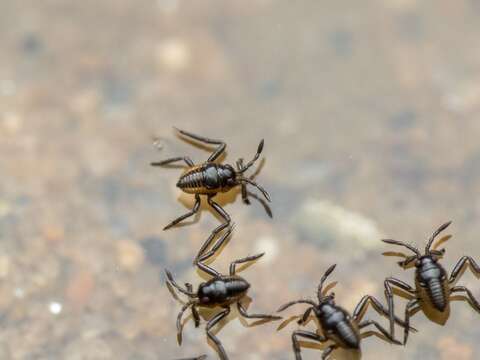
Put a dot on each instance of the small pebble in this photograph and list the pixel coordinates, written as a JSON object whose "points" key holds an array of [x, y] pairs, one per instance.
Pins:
{"points": [[55, 308], [129, 255]]}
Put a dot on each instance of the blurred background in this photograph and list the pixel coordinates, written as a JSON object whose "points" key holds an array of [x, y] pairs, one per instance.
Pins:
{"points": [[369, 111]]}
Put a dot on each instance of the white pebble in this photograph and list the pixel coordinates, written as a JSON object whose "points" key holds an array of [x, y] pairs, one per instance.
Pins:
{"points": [[55, 307]]}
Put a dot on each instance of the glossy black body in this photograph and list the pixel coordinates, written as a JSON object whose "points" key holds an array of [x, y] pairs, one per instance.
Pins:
{"points": [[432, 282], [337, 325], [208, 178], [433, 287], [222, 291]]}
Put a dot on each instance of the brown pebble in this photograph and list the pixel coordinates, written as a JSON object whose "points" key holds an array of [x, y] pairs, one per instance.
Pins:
{"points": [[80, 288], [129, 255]]}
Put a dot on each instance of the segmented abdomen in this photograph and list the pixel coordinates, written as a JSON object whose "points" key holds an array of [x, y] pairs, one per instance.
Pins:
{"points": [[192, 180], [437, 294], [348, 335]]}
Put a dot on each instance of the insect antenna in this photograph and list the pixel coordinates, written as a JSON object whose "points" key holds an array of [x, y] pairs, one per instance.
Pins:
{"points": [[322, 280], [401, 243], [255, 158], [434, 235], [172, 282], [262, 190], [301, 301], [179, 320]]}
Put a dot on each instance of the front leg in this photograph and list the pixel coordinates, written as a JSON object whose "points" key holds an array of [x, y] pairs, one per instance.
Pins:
{"points": [[196, 316], [308, 335], [465, 260], [210, 324], [389, 295], [240, 167]]}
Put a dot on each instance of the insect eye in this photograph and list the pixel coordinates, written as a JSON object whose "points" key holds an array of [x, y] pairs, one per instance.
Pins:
{"points": [[417, 263]]}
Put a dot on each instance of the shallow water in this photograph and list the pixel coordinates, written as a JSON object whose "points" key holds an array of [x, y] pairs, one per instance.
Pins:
{"points": [[369, 111]]}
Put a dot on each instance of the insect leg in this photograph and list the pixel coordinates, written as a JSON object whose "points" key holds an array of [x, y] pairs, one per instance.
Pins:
{"points": [[465, 260], [172, 160], [359, 311], [196, 316], [179, 320], [210, 324], [411, 307], [389, 295], [306, 334], [199, 260], [470, 298], [243, 260], [379, 328], [328, 351], [219, 228], [245, 314], [243, 185], [194, 210], [205, 140], [171, 281]]}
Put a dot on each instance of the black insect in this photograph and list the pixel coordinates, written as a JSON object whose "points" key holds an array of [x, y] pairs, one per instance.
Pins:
{"points": [[220, 291], [433, 287], [336, 323], [210, 178]]}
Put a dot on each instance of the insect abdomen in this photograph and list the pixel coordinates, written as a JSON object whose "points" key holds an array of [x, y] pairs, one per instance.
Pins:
{"points": [[237, 287], [191, 180], [348, 335], [437, 294]]}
